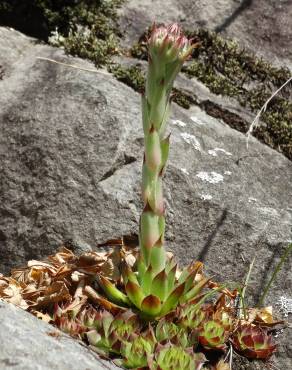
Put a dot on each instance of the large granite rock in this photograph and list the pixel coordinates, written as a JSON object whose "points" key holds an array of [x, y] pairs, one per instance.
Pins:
{"points": [[260, 25], [70, 155], [30, 344]]}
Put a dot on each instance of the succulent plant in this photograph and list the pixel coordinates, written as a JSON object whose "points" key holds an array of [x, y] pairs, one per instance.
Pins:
{"points": [[71, 326], [136, 352], [212, 335], [89, 317], [111, 331], [167, 331], [154, 288], [253, 341], [170, 357], [68, 322], [192, 316]]}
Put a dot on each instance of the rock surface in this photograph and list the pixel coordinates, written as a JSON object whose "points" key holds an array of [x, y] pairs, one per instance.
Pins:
{"points": [[262, 26], [30, 344], [70, 156]]}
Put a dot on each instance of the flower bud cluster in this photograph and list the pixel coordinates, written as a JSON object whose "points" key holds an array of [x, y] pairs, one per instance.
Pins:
{"points": [[169, 44]]}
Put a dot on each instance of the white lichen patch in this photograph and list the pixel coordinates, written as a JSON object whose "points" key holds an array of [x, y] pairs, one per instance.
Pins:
{"points": [[206, 196], [214, 152], [197, 121], [185, 171], [192, 140], [285, 305], [211, 177], [179, 123]]}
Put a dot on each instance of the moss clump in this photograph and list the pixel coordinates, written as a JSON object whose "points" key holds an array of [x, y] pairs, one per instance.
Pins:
{"points": [[239, 66], [85, 28], [93, 32], [139, 50], [219, 58], [216, 83], [84, 43], [131, 76], [228, 70], [183, 98]]}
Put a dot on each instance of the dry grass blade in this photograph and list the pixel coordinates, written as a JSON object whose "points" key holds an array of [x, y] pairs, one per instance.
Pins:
{"points": [[262, 110], [74, 66]]}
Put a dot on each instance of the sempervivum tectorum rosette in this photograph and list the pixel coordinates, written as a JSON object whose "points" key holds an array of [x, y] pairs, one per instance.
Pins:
{"points": [[109, 331], [212, 335], [168, 332], [136, 351], [192, 315], [169, 357], [253, 341], [68, 322]]}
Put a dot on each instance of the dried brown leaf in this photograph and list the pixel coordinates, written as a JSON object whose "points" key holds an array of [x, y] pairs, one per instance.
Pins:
{"points": [[56, 292], [222, 366], [20, 274], [111, 243], [63, 256], [12, 293], [3, 284], [77, 276], [40, 264], [262, 316]]}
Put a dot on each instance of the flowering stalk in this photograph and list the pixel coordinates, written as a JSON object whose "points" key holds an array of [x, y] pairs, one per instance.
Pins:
{"points": [[155, 289], [168, 48]]}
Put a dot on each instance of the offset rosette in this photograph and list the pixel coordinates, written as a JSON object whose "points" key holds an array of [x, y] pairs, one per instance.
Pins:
{"points": [[170, 357], [212, 335], [108, 332], [253, 342]]}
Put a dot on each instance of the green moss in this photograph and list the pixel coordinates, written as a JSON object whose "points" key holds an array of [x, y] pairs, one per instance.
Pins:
{"points": [[85, 28], [84, 43], [227, 58], [131, 76], [216, 82], [139, 50], [183, 98], [228, 70]]}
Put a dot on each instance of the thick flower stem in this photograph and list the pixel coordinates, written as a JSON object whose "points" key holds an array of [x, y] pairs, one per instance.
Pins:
{"points": [[168, 49], [155, 157]]}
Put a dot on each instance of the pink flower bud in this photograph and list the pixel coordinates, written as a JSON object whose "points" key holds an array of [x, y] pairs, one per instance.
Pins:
{"points": [[169, 43]]}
